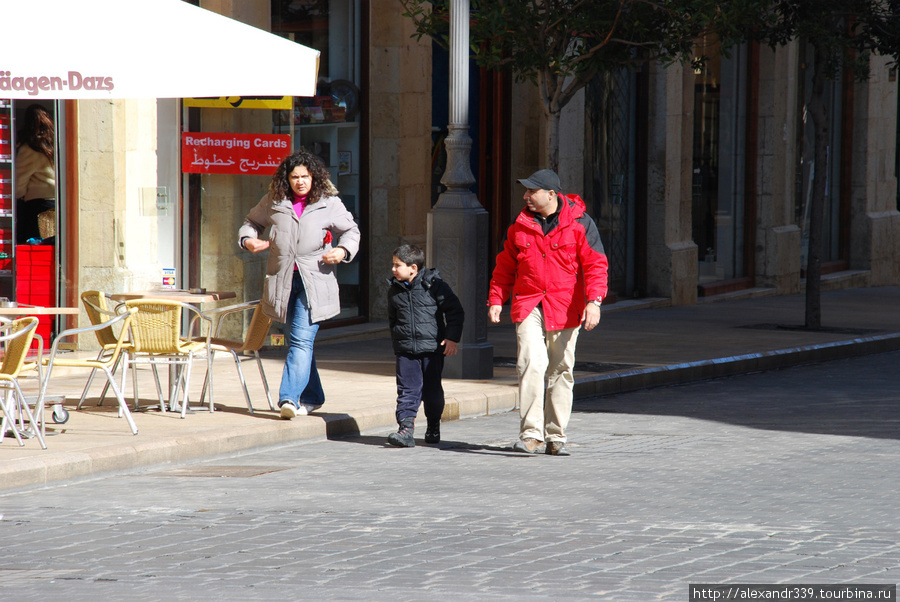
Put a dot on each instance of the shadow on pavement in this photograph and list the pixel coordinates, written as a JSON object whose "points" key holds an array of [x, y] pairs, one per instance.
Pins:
{"points": [[454, 446], [855, 397]]}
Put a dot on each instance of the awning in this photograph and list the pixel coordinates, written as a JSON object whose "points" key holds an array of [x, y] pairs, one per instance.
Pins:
{"points": [[96, 49]]}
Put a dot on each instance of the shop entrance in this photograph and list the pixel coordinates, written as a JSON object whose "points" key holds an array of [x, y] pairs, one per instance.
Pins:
{"points": [[32, 205]]}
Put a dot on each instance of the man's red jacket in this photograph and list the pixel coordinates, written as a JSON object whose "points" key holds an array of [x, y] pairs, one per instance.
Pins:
{"points": [[562, 270]]}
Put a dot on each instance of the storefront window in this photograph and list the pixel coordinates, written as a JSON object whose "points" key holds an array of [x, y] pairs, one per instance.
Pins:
{"points": [[610, 115], [329, 123], [718, 164], [831, 227], [29, 204]]}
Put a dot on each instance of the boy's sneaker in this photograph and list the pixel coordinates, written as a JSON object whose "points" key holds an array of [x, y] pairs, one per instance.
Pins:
{"points": [[557, 448], [308, 408], [289, 410], [433, 432], [404, 436], [528, 445]]}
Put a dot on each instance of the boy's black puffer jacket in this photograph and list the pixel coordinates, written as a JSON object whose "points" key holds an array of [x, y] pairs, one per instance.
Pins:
{"points": [[423, 314]]}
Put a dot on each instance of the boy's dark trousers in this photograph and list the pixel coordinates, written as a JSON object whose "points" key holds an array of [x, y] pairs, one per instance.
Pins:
{"points": [[419, 380]]}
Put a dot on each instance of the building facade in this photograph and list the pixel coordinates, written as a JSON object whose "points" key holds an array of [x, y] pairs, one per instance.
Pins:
{"points": [[699, 181]]}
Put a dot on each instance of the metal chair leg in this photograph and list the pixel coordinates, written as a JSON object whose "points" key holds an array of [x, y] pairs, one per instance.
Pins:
{"points": [[123, 405], [262, 375], [237, 362]]}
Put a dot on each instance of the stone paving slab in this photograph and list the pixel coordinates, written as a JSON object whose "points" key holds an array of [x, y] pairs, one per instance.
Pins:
{"points": [[777, 477]]}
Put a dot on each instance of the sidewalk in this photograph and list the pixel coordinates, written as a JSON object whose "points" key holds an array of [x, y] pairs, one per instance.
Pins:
{"points": [[638, 344]]}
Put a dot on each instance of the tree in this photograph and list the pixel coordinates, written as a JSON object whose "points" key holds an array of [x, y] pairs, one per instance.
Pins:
{"points": [[843, 35], [560, 45]]}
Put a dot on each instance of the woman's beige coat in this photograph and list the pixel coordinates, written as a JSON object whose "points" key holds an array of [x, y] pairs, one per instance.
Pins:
{"points": [[301, 242]]}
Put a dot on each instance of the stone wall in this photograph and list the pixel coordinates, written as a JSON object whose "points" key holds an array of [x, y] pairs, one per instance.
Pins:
{"points": [[400, 143], [117, 245]]}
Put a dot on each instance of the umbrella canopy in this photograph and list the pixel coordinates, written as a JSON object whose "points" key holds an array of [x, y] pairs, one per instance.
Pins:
{"points": [[95, 49]]}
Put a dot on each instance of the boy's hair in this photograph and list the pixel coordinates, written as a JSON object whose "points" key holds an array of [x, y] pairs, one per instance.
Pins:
{"points": [[411, 255]]}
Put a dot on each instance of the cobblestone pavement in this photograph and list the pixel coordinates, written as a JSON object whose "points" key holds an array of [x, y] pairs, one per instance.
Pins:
{"points": [[780, 477]]}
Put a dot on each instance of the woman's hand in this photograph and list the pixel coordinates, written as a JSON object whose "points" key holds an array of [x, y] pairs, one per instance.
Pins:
{"points": [[255, 245], [335, 255]]}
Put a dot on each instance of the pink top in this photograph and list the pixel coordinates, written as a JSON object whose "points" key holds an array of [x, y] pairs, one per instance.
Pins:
{"points": [[299, 204]]}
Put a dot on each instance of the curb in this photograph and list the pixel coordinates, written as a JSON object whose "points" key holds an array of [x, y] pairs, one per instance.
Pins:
{"points": [[679, 374], [49, 469]]}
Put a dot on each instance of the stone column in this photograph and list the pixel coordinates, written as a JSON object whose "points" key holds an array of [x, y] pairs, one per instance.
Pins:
{"points": [[875, 222], [778, 236], [458, 225], [671, 251]]}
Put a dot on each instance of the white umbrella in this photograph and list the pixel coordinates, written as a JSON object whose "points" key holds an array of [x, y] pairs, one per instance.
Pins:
{"points": [[95, 49]]}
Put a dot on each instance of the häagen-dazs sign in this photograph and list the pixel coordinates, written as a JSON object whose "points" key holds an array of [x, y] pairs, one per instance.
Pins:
{"points": [[35, 84]]}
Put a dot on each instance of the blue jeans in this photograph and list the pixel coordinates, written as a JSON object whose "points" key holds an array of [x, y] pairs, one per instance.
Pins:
{"points": [[300, 378]]}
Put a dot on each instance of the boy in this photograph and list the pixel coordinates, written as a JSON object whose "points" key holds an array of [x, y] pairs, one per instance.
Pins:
{"points": [[426, 320]]}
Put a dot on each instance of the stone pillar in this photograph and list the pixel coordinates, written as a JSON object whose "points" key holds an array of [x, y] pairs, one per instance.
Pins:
{"points": [[458, 226], [778, 236], [671, 251], [874, 221]]}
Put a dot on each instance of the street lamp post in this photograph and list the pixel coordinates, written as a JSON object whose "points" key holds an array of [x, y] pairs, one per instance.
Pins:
{"points": [[458, 225]]}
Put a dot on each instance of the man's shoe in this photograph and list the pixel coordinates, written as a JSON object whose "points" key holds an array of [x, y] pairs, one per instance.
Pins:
{"points": [[289, 410], [308, 408], [557, 448], [527, 445], [433, 432], [404, 436]]}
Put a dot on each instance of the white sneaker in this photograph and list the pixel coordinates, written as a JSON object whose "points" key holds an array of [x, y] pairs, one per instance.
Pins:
{"points": [[289, 410], [307, 408]]}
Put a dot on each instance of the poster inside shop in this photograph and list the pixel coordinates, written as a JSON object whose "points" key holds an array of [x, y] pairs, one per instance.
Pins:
{"points": [[236, 154]]}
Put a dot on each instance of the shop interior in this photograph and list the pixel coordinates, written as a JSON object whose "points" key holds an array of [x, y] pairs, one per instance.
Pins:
{"points": [[29, 205]]}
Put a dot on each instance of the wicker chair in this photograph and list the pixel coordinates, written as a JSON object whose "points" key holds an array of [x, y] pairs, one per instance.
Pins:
{"points": [[16, 337], [252, 343], [106, 362], [156, 339]]}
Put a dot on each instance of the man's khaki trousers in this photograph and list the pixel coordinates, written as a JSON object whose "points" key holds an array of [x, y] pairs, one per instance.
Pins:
{"points": [[545, 362]]}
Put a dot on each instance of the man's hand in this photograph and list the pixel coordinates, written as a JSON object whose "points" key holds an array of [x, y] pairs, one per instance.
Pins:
{"points": [[494, 313], [255, 245], [591, 316], [449, 347]]}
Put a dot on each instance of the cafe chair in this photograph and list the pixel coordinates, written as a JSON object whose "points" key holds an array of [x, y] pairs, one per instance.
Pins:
{"points": [[101, 308], [16, 338], [252, 342], [156, 340], [30, 363], [106, 363]]}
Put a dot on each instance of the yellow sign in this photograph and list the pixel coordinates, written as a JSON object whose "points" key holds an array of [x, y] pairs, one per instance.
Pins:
{"points": [[241, 102]]}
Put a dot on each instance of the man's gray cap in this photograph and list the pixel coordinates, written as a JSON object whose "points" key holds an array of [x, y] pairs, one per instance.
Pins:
{"points": [[543, 178]]}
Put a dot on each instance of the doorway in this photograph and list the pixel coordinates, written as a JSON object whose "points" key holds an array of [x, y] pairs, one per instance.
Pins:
{"points": [[32, 205]]}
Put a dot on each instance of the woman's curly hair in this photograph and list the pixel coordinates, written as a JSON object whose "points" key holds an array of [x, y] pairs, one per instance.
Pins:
{"points": [[39, 132], [321, 179]]}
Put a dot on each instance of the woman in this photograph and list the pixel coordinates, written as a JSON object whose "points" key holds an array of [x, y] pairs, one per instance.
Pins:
{"points": [[35, 172], [311, 232]]}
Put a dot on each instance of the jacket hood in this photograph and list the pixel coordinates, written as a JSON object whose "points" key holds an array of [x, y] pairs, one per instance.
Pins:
{"points": [[571, 208]]}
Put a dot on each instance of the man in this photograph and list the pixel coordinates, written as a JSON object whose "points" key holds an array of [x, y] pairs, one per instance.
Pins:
{"points": [[554, 265]]}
